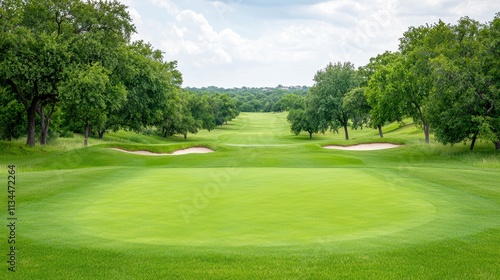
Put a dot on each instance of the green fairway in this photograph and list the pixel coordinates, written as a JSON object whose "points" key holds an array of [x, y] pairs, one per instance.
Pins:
{"points": [[265, 204]]}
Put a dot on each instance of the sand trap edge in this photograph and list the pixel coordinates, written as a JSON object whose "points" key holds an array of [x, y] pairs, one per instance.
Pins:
{"points": [[364, 147], [194, 150]]}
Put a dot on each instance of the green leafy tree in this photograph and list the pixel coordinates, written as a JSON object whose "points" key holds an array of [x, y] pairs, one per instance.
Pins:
{"points": [[186, 122], [355, 103], [87, 93], [306, 118], [171, 116], [224, 108], [201, 111], [12, 116], [331, 85], [382, 96], [464, 102], [492, 73], [303, 120], [412, 76], [152, 86], [49, 37], [36, 85], [288, 102]]}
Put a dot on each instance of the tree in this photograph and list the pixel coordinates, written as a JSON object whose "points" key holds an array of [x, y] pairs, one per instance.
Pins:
{"points": [[303, 120], [223, 107], [36, 85], [152, 86], [171, 115], [51, 36], [355, 103], [87, 93], [12, 116], [306, 118], [288, 102], [412, 76], [382, 96], [331, 85], [186, 123], [201, 111], [492, 73], [463, 104]]}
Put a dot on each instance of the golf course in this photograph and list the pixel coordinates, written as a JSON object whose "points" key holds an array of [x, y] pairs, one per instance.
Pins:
{"points": [[262, 203]]}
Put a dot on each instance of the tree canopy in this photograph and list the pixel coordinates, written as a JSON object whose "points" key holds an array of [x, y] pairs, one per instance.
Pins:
{"points": [[465, 98], [41, 40], [327, 95], [74, 59], [446, 77]]}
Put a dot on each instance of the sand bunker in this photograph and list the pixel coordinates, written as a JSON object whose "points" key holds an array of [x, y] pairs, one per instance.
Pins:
{"points": [[196, 150], [257, 145], [364, 147]]}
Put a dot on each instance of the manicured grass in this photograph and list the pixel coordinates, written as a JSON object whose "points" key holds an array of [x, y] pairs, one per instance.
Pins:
{"points": [[266, 204]]}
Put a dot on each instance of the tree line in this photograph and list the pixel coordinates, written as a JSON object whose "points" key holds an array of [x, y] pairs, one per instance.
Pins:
{"points": [[444, 76], [262, 99], [71, 65]]}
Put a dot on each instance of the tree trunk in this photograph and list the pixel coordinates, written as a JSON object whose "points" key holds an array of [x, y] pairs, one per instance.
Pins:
{"points": [[45, 124], [30, 111], [346, 132], [185, 136], [86, 137], [474, 138], [310, 135], [380, 131], [30, 141], [497, 145], [165, 131], [9, 138], [426, 132], [43, 136], [100, 133], [426, 124]]}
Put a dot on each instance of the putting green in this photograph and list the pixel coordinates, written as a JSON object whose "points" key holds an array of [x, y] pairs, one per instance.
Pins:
{"points": [[224, 207]]}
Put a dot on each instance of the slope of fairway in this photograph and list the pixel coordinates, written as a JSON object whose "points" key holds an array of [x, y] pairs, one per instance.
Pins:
{"points": [[256, 130]]}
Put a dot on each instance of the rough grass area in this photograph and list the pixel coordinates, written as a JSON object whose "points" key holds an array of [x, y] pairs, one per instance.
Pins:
{"points": [[264, 205]]}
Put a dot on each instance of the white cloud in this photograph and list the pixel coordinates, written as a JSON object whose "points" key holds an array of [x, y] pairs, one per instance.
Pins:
{"points": [[168, 5], [305, 46], [258, 42], [336, 9], [192, 37], [475, 9], [136, 17], [221, 9]]}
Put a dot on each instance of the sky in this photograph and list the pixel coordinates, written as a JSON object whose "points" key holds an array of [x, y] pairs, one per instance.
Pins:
{"points": [[266, 43]]}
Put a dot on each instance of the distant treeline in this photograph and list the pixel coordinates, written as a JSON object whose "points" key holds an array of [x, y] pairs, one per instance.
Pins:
{"points": [[262, 99]]}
